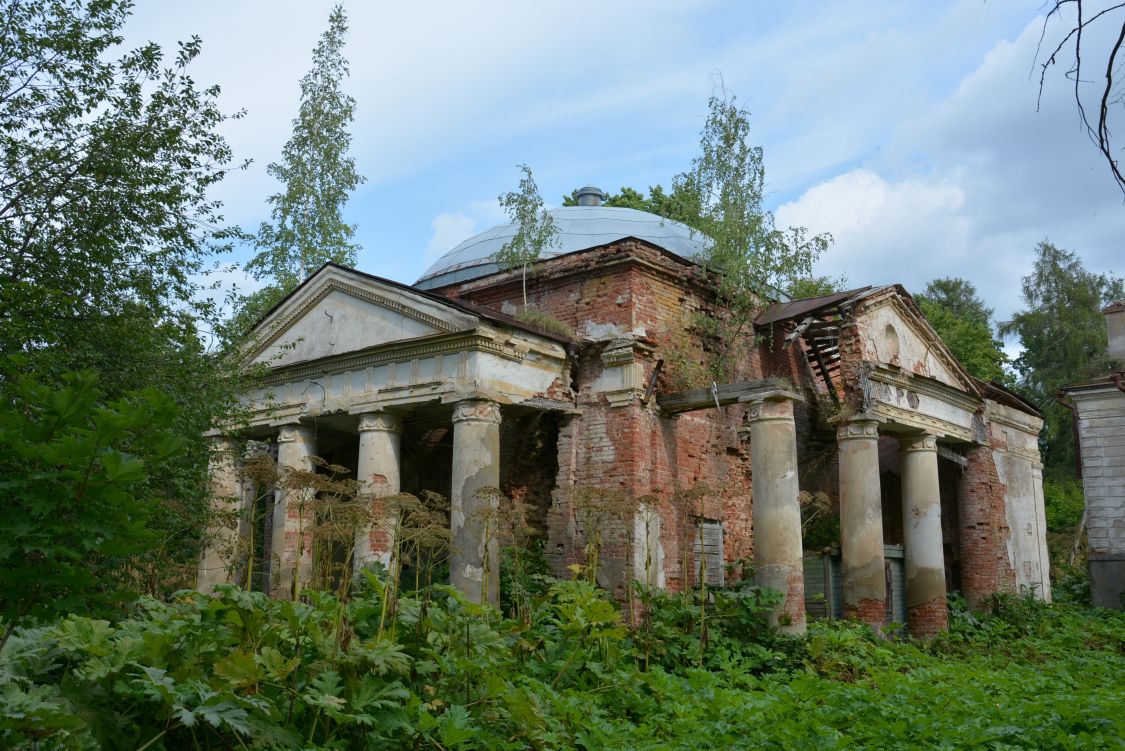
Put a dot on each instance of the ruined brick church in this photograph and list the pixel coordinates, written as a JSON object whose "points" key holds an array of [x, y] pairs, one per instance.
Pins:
{"points": [[934, 476]]}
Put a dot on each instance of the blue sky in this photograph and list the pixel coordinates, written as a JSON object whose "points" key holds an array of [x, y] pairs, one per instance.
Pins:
{"points": [[907, 130]]}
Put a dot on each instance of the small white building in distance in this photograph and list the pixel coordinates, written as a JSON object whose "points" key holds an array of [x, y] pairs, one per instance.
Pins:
{"points": [[1100, 410]]}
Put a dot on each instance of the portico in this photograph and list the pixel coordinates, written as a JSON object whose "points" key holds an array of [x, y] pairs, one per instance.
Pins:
{"points": [[351, 355]]}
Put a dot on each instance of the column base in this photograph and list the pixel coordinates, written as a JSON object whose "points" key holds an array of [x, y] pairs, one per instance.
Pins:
{"points": [[927, 619], [871, 612]]}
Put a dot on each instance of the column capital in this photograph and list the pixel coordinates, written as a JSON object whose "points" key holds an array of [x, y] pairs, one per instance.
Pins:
{"points": [[767, 408], [857, 427], [294, 432], [380, 421], [476, 410], [221, 444], [918, 442]]}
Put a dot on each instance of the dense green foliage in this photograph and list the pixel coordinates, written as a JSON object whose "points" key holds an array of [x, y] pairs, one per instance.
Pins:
{"points": [[103, 206], [964, 323], [239, 669], [307, 228], [75, 512], [106, 229], [816, 286], [1063, 334], [1064, 503]]}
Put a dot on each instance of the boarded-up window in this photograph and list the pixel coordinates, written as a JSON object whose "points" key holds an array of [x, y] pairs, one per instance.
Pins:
{"points": [[709, 551]]}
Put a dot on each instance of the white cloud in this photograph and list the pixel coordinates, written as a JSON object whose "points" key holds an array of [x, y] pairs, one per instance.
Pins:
{"points": [[968, 185], [884, 231], [449, 230], [907, 130]]}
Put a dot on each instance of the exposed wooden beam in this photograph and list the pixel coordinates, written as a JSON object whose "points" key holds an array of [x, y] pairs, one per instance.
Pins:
{"points": [[729, 393]]}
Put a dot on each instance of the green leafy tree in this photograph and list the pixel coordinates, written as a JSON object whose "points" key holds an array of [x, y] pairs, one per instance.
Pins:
{"points": [[964, 323], [106, 231], [106, 167], [816, 286], [751, 257], [720, 197], [1063, 335], [536, 230], [726, 183], [307, 228], [74, 494]]}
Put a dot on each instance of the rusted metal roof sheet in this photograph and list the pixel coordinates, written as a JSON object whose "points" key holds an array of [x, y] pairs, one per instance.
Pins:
{"points": [[783, 311]]}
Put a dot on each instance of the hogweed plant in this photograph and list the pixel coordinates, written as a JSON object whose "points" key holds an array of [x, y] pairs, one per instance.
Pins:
{"points": [[601, 511], [418, 528], [690, 506]]}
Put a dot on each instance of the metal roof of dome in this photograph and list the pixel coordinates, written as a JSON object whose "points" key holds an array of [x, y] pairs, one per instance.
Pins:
{"points": [[580, 227]]}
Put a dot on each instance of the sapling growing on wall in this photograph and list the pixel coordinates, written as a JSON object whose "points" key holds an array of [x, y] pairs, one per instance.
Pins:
{"points": [[535, 228]]}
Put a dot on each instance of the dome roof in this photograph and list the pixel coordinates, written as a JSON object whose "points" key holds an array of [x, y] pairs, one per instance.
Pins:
{"points": [[580, 227]]}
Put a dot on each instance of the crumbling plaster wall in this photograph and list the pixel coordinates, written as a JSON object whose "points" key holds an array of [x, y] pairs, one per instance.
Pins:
{"points": [[1014, 437], [628, 304]]}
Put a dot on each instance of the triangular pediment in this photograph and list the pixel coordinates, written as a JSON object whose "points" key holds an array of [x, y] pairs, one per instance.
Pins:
{"points": [[339, 310], [897, 335]]}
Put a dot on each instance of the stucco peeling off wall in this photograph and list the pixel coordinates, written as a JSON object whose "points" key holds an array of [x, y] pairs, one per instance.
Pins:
{"points": [[1016, 474], [519, 381], [1016, 455]]}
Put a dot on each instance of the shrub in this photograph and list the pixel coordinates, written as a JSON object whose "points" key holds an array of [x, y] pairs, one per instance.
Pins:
{"points": [[544, 321]]}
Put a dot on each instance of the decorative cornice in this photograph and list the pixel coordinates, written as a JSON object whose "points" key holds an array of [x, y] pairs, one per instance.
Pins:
{"points": [[381, 422], [1024, 425], [623, 352], [918, 442], [928, 423], [393, 352], [923, 385], [476, 410]]}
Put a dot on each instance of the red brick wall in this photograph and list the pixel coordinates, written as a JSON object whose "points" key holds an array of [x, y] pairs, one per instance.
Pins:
{"points": [[632, 289], [983, 533]]}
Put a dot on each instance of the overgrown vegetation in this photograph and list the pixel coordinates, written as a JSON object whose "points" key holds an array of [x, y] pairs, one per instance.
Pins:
{"points": [[107, 231], [545, 321], [964, 323], [240, 670], [752, 261]]}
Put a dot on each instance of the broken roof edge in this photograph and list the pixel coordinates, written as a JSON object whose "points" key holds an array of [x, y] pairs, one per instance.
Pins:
{"points": [[784, 311], [998, 392], [463, 306]]}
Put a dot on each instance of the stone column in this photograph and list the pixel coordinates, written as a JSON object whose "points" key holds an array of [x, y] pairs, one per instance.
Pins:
{"points": [[861, 521], [291, 553], [378, 475], [921, 529], [474, 562], [778, 554], [223, 553]]}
